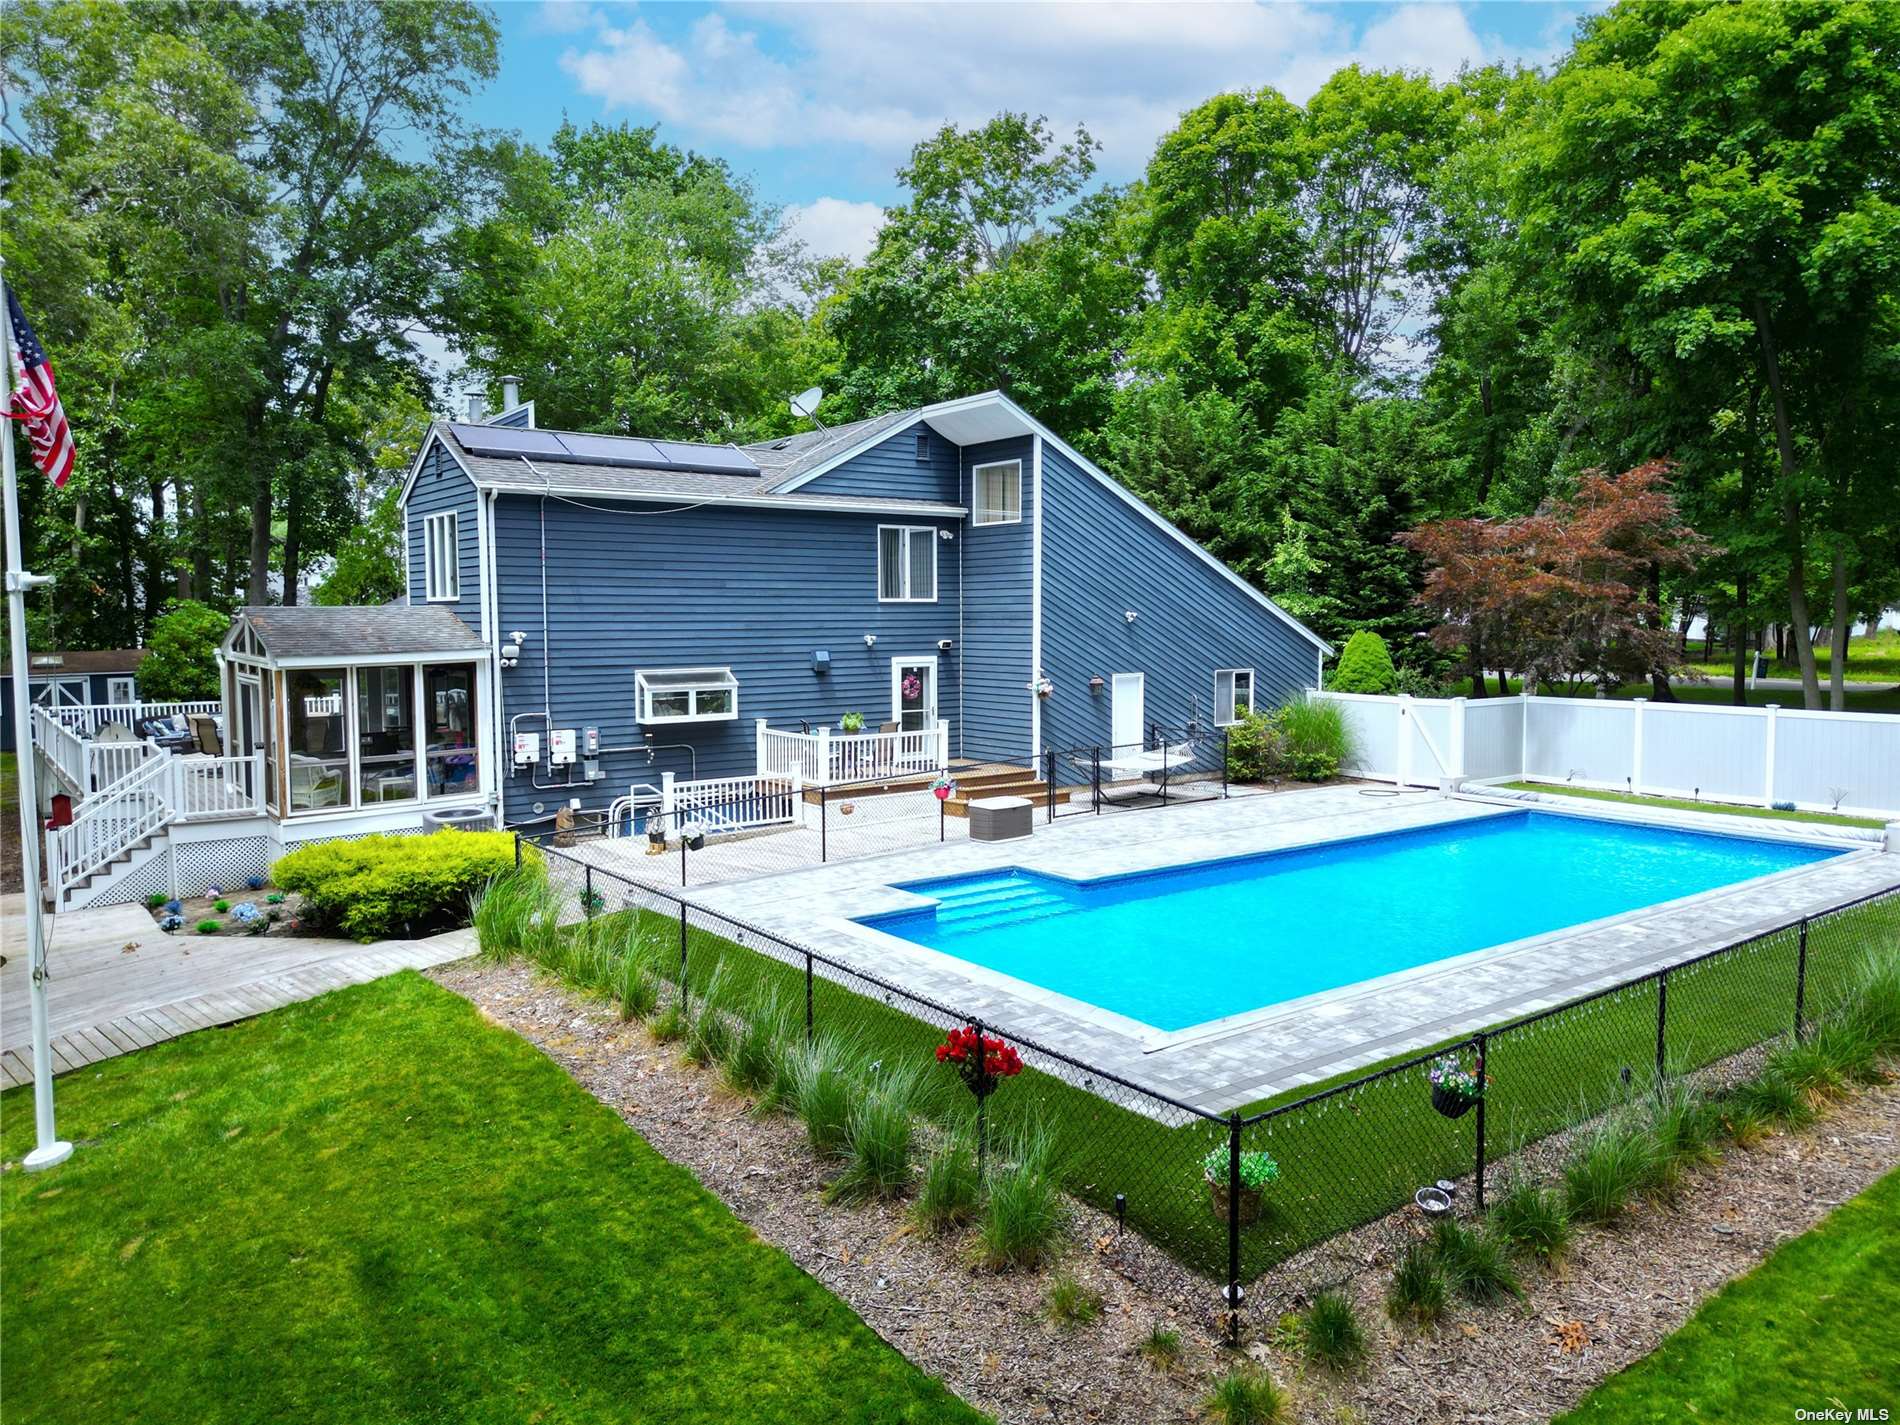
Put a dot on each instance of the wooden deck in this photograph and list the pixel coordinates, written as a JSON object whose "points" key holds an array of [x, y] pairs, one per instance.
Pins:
{"points": [[117, 983]]}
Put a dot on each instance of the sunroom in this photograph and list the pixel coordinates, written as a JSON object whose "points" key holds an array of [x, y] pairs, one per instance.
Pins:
{"points": [[378, 716]]}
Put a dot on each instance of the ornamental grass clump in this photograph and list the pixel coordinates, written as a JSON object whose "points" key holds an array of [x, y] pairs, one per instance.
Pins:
{"points": [[1610, 1161], [1315, 738], [1474, 1262], [880, 1131], [950, 1188], [1246, 1395], [1684, 1123], [1419, 1292], [1160, 1348], [709, 1032], [1025, 1219], [1069, 1302], [752, 1065], [1330, 1333], [1532, 1220], [824, 1080], [1771, 1098], [637, 985]]}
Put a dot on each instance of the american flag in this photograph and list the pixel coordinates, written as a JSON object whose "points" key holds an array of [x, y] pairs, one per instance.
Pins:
{"points": [[35, 401]]}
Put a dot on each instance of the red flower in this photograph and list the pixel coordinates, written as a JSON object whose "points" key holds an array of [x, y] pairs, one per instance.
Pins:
{"points": [[980, 1058]]}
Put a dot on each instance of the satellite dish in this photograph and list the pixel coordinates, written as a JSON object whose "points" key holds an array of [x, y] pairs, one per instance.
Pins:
{"points": [[805, 404]]}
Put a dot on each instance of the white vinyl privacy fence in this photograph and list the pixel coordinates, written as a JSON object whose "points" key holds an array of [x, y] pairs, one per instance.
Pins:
{"points": [[1816, 760]]}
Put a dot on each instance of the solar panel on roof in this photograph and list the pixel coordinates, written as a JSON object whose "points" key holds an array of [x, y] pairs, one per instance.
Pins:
{"points": [[613, 450], [718, 459], [502, 440]]}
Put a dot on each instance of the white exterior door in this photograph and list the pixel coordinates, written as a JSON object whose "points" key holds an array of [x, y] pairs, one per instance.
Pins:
{"points": [[1125, 711], [58, 692], [914, 694]]}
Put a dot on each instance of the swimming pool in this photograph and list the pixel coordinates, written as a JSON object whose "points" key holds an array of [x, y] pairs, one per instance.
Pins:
{"points": [[1182, 946]]}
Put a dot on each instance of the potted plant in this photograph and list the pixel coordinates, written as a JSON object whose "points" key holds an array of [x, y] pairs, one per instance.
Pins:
{"points": [[1257, 1170], [944, 788], [1457, 1084], [851, 722], [981, 1060]]}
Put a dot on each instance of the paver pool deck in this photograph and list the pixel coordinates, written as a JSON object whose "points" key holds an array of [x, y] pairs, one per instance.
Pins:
{"points": [[1284, 1046]]}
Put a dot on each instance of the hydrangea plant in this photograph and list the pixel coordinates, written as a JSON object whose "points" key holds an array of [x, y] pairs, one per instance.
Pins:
{"points": [[1257, 1169]]}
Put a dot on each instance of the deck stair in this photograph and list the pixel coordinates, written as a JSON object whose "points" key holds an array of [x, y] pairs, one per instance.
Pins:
{"points": [[973, 779], [1004, 901]]}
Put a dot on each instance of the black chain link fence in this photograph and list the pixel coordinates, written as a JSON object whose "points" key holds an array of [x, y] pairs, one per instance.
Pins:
{"points": [[1346, 1152]]}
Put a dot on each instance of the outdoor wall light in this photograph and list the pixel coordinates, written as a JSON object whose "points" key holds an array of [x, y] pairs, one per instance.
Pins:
{"points": [[1096, 684], [870, 640], [1129, 614], [945, 535]]}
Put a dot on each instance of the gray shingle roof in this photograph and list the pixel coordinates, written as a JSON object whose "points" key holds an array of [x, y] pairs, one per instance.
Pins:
{"points": [[315, 631], [783, 460]]}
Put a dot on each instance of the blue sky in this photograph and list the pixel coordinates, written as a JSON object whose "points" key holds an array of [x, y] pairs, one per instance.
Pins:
{"points": [[819, 102]]}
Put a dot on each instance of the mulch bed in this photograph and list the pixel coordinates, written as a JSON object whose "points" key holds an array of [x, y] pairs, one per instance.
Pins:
{"points": [[986, 1334]]}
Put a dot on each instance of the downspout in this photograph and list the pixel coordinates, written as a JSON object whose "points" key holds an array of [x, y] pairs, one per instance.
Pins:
{"points": [[491, 628]]}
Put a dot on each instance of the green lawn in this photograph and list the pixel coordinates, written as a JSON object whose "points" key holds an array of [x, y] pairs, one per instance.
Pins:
{"points": [[1871, 659], [1875, 699], [1360, 1154], [1810, 1328], [1683, 804], [377, 1206]]}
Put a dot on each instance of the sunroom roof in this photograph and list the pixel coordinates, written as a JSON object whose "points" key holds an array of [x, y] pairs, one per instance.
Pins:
{"points": [[315, 631]]}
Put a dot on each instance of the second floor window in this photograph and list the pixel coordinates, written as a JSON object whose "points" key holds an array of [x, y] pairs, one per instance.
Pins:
{"points": [[906, 564], [996, 493], [441, 575]]}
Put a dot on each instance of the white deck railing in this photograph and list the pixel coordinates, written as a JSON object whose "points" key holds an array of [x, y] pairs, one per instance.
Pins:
{"points": [[87, 767], [715, 804], [86, 719], [110, 825], [827, 758]]}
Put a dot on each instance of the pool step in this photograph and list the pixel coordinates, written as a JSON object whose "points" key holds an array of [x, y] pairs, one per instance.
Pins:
{"points": [[990, 905]]}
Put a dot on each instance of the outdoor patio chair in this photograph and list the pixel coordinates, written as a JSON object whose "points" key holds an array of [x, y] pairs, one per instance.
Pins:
{"points": [[204, 735]]}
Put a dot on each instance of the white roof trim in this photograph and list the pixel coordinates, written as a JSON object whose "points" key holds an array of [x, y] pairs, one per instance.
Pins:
{"points": [[1032, 426], [918, 509], [415, 466]]}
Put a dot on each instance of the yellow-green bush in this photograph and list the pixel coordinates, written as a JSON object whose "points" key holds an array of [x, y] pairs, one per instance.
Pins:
{"points": [[382, 886]]}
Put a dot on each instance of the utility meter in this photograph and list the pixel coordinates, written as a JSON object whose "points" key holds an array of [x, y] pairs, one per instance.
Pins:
{"points": [[527, 748], [561, 747]]}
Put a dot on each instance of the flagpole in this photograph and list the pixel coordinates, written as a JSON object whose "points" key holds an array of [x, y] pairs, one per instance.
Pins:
{"points": [[49, 1150]]}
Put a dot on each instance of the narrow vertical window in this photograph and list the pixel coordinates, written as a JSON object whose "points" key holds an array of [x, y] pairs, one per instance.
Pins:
{"points": [[1233, 695], [441, 574], [906, 564]]}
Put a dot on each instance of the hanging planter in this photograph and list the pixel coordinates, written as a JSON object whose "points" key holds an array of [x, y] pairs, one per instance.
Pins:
{"points": [[1257, 1171], [1042, 687], [1457, 1085], [944, 787]]}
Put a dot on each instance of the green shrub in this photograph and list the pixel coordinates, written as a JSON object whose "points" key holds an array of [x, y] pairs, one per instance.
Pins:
{"points": [[155, 900], [948, 1194], [1532, 1219], [1254, 750], [1609, 1162], [1025, 1219], [221, 906], [880, 1130], [1365, 666], [207, 927], [1474, 1262], [382, 886], [1419, 1291], [1316, 739], [1246, 1395], [1330, 1332], [1070, 1302]]}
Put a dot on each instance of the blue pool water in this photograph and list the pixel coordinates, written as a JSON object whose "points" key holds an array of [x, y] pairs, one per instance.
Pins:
{"points": [[1179, 947]]}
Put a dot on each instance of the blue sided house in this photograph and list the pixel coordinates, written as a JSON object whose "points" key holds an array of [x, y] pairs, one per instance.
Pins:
{"points": [[954, 583], [609, 624]]}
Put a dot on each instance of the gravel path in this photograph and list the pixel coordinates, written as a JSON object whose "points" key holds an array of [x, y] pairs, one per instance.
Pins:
{"points": [[1620, 1292]]}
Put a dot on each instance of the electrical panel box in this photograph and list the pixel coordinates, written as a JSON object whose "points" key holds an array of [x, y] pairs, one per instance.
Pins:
{"points": [[590, 769], [561, 747], [590, 742], [527, 748]]}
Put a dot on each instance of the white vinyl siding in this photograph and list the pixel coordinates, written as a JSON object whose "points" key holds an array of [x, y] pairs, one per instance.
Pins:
{"points": [[997, 493], [906, 564], [1233, 695], [441, 571]]}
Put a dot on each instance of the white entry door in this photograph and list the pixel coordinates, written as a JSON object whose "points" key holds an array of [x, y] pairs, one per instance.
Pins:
{"points": [[1125, 711], [914, 694]]}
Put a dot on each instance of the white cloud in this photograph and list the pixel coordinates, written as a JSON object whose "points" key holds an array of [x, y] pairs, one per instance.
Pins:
{"points": [[878, 78], [834, 227], [564, 17]]}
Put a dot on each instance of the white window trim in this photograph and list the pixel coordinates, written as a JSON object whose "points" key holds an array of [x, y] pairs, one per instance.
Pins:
{"points": [[980, 513], [1234, 715], [910, 532], [711, 679], [441, 557]]}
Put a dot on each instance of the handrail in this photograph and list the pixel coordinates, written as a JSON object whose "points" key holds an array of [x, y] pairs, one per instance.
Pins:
{"points": [[826, 758], [108, 826]]}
